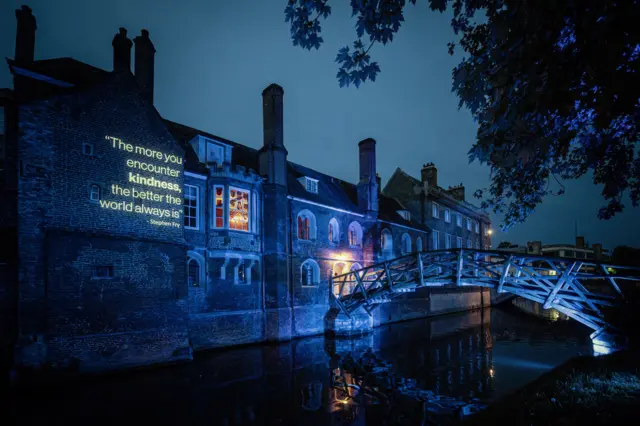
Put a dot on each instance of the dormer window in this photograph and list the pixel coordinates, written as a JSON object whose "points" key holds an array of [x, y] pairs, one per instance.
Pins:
{"points": [[211, 151], [406, 215], [310, 184]]}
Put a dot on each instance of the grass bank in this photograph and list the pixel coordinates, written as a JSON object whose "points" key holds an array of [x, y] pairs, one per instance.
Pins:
{"points": [[585, 390]]}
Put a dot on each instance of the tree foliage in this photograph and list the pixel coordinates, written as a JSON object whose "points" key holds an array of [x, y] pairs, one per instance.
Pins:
{"points": [[553, 86], [504, 244]]}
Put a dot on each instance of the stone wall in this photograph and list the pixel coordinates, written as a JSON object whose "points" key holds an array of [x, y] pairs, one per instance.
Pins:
{"points": [[96, 285]]}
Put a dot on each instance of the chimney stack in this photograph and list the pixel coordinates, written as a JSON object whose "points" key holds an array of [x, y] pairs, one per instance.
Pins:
{"points": [[121, 51], [273, 154], [144, 66], [429, 175], [25, 35], [368, 185], [579, 242], [597, 251], [457, 192]]}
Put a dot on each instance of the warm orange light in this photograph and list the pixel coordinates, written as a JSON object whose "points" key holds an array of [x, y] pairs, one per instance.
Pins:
{"points": [[490, 231]]}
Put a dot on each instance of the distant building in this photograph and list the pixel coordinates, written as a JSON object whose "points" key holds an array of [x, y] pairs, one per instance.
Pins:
{"points": [[579, 250], [454, 223]]}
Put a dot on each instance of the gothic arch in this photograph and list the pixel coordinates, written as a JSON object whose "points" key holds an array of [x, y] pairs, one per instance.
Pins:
{"points": [[306, 225], [196, 273]]}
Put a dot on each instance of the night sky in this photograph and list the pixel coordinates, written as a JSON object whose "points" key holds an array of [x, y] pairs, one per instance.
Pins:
{"points": [[214, 58]]}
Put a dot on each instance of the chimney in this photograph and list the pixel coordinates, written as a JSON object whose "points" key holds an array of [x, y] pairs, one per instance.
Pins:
{"points": [[457, 192], [273, 154], [429, 175], [368, 185], [144, 66], [534, 247], [579, 242], [597, 251], [25, 35], [121, 51]]}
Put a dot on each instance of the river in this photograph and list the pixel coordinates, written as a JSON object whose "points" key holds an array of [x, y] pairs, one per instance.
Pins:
{"points": [[473, 358]]}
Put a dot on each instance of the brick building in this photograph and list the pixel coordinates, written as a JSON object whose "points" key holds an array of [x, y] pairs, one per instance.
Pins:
{"points": [[134, 240]]}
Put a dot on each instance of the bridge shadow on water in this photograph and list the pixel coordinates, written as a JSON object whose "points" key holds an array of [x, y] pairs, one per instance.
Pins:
{"points": [[413, 373]]}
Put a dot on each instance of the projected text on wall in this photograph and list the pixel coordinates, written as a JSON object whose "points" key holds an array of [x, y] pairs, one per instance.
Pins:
{"points": [[151, 193]]}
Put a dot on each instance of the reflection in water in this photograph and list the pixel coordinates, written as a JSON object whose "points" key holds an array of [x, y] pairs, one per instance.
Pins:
{"points": [[420, 372]]}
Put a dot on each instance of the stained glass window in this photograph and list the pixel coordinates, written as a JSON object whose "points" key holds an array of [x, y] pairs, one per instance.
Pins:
{"points": [[218, 212], [238, 209]]}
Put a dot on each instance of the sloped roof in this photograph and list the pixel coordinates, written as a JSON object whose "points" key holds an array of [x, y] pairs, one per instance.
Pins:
{"points": [[67, 70]]}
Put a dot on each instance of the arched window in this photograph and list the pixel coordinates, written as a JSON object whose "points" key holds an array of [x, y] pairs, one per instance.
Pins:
{"points": [[309, 273], [406, 243], [356, 266], [334, 231], [386, 242], [419, 244], [355, 234], [193, 272], [94, 194], [306, 225]]}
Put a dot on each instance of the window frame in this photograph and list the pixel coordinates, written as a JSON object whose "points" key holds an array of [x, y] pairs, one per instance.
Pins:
{"points": [[435, 240], [447, 241], [196, 207], [359, 233], [419, 245], [333, 231], [469, 243], [459, 242], [197, 280], [311, 185], [84, 145], [477, 227], [405, 244], [435, 210], [459, 220], [215, 207], [468, 223], [447, 214], [91, 188], [315, 273], [248, 211]]}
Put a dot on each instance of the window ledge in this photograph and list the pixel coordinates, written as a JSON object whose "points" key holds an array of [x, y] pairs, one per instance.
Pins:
{"points": [[102, 278], [310, 286]]}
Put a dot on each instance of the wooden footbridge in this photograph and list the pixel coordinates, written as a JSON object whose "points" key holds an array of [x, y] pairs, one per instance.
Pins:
{"points": [[581, 289]]}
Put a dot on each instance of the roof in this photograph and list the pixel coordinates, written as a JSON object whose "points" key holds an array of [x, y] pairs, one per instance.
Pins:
{"points": [[438, 191], [67, 70], [333, 192]]}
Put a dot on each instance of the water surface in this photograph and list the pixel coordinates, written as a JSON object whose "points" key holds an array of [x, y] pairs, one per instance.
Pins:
{"points": [[478, 355]]}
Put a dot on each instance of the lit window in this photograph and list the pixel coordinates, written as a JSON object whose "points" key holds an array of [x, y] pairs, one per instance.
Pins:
{"points": [[334, 231], [218, 208], [309, 273], [306, 225], [468, 224], [447, 241], [459, 242], [303, 228], [238, 209], [94, 194], [355, 234], [477, 225], [418, 244], [193, 272], [447, 215], [458, 219], [435, 210], [191, 207], [406, 244], [435, 236]]}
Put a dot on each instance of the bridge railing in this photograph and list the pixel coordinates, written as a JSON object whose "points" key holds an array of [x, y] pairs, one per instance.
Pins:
{"points": [[581, 289]]}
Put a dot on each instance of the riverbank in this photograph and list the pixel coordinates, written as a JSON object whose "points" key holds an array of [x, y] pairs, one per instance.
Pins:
{"points": [[584, 390]]}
